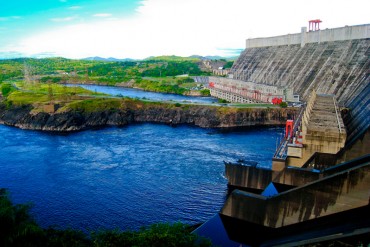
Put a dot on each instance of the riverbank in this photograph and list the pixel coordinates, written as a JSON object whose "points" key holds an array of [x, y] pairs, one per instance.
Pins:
{"points": [[151, 86], [93, 113], [145, 95]]}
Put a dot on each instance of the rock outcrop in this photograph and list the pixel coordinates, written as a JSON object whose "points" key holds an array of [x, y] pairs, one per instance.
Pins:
{"points": [[202, 116]]}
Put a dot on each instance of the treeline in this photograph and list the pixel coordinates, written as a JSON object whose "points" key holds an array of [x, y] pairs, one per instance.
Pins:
{"points": [[45, 66], [154, 67], [142, 74], [158, 86], [173, 68], [18, 228]]}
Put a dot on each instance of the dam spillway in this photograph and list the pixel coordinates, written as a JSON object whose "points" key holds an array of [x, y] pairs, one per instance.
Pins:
{"points": [[281, 204], [331, 61], [325, 61]]}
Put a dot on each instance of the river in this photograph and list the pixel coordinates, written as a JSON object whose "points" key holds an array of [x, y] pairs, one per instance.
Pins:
{"points": [[126, 177], [141, 94]]}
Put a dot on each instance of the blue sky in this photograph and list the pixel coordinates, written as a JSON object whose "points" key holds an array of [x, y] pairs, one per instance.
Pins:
{"points": [[142, 28]]}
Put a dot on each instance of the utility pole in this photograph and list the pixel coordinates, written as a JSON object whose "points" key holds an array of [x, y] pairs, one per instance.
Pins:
{"points": [[87, 75]]}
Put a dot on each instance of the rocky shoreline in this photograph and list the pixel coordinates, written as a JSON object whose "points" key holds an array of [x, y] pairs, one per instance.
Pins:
{"points": [[203, 116]]}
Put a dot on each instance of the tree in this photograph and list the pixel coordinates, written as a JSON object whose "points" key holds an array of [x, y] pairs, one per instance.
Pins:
{"points": [[6, 89], [283, 104]]}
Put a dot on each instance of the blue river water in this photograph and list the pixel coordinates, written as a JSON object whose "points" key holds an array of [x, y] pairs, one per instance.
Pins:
{"points": [[126, 177], [141, 94]]}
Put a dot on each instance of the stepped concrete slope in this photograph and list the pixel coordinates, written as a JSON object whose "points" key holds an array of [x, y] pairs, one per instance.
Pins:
{"points": [[326, 194], [332, 61], [333, 66]]}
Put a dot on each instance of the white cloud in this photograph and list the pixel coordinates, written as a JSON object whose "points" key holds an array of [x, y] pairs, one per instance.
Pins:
{"points": [[76, 7], [167, 27], [103, 15], [63, 19], [8, 18]]}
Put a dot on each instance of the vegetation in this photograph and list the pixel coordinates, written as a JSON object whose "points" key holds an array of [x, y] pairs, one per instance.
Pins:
{"points": [[91, 105], [228, 64], [18, 228], [38, 93], [223, 101], [205, 92], [162, 72], [283, 104], [161, 86], [69, 98], [6, 89]]}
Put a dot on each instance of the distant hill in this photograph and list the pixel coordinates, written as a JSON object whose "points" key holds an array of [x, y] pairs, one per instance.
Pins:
{"points": [[171, 58], [109, 59], [193, 57], [162, 58], [214, 57]]}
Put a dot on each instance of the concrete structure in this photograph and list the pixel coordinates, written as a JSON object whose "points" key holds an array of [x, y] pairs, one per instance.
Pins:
{"points": [[324, 174], [322, 130], [221, 71], [333, 61], [337, 64], [256, 179], [247, 92], [322, 197], [319, 36]]}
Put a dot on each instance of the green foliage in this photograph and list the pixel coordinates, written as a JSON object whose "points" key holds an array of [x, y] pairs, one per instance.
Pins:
{"points": [[228, 64], [173, 68], [185, 80], [17, 228], [6, 89], [51, 79], [223, 101], [283, 104], [41, 93], [163, 72], [205, 92], [173, 59], [66, 238], [161, 234], [57, 70], [159, 86], [91, 105]]}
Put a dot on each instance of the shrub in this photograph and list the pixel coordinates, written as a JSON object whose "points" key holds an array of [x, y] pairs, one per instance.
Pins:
{"points": [[17, 228], [222, 101], [283, 104], [205, 92], [6, 89]]}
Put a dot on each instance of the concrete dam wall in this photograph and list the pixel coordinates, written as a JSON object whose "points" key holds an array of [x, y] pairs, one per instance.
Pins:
{"points": [[334, 61], [327, 35]]}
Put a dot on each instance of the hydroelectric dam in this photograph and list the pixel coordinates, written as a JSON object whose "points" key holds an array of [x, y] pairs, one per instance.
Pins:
{"points": [[318, 188]]}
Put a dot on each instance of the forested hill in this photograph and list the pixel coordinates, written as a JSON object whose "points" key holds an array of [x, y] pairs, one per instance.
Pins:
{"points": [[103, 71]]}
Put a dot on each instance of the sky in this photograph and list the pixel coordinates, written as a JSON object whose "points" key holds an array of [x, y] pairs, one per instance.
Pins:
{"points": [[141, 28]]}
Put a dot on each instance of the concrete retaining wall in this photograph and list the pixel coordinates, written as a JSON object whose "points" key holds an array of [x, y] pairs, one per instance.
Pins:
{"points": [[327, 35], [343, 191]]}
